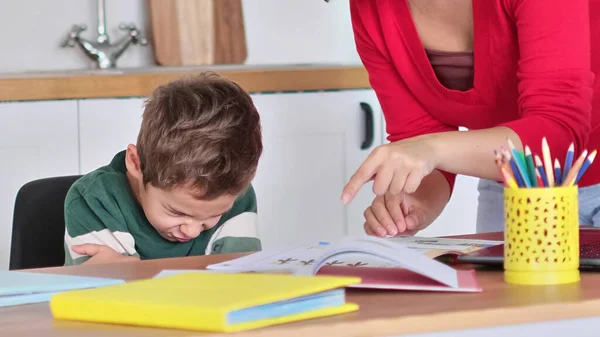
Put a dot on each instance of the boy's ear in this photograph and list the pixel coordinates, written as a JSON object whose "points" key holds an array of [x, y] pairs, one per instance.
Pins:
{"points": [[132, 161]]}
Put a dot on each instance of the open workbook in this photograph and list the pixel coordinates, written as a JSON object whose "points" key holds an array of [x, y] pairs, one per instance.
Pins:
{"points": [[401, 263]]}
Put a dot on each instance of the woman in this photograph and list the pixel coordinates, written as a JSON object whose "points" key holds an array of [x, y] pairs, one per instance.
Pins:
{"points": [[505, 69]]}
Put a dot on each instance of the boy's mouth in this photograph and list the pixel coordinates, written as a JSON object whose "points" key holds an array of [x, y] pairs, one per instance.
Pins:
{"points": [[181, 239]]}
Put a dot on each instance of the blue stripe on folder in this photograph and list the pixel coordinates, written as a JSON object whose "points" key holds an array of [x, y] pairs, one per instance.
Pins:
{"points": [[326, 299]]}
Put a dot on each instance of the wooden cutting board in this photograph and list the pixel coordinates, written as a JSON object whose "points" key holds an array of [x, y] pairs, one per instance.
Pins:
{"points": [[198, 32]]}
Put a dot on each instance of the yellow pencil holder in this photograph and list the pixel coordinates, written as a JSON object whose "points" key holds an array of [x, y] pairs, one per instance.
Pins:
{"points": [[541, 235]]}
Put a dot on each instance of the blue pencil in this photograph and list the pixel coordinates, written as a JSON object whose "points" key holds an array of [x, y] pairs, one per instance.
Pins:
{"points": [[569, 159], [540, 168], [513, 166], [588, 161], [522, 171], [557, 173], [519, 159]]}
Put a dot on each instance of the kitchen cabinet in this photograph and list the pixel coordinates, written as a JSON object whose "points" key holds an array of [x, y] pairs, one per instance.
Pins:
{"points": [[107, 126], [460, 214], [313, 142], [37, 139]]}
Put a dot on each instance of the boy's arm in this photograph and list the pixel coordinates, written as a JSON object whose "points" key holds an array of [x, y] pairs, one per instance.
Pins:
{"points": [[88, 221], [239, 231]]}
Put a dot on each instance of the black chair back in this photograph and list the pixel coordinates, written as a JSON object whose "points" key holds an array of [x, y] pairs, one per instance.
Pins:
{"points": [[39, 223]]}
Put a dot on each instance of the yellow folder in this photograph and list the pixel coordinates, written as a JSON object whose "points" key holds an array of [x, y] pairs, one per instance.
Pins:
{"points": [[208, 301]]}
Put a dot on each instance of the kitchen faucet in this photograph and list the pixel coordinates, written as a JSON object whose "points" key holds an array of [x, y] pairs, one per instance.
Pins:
{"points": [[101, 51]]}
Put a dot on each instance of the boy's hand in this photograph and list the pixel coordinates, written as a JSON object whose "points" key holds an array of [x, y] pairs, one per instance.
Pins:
{"points": [[101, 254], [394, 214], [403, 213]]}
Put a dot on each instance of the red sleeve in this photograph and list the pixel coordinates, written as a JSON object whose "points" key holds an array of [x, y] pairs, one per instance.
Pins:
{"points": [[404, 116], [555, 78]]}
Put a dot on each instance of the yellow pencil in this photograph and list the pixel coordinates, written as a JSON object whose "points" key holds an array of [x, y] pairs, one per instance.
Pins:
{"points": [[508, 178]]}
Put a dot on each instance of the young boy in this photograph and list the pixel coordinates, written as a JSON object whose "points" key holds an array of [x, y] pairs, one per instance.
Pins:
{"points": [[184, 188]]}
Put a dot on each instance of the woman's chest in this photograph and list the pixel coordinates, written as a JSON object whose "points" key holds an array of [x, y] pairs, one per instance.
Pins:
{"points": [[493, 95]]}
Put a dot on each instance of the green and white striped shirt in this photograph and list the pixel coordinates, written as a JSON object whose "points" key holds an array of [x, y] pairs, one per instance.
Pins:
{"points": [[101, 208]]}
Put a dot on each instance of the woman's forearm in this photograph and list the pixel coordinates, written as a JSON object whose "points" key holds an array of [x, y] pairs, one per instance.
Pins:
{"points": [[402, 166], [471, 153], [436, 189]]}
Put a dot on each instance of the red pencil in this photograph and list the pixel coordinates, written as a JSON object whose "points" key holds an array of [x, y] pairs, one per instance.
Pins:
{"points": [[539, 178]]}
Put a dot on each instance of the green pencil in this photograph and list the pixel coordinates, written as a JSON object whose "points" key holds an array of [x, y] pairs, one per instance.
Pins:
{"points": [[530, 166], [521, 163]]}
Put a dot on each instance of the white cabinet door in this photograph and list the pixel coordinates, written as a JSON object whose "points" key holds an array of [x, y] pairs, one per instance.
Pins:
{"points": [[106, 127], [460, 214], [312, 143], [37, 140]]}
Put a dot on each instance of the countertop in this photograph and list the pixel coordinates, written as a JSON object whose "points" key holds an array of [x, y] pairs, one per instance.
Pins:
{"points": [[137, 82]]}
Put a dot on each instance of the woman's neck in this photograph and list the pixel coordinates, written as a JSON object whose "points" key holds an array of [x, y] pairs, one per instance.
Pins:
{"points": [[444, 25]]}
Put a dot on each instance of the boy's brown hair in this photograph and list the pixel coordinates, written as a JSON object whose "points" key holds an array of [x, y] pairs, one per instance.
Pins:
{"points": [[202, 132]]}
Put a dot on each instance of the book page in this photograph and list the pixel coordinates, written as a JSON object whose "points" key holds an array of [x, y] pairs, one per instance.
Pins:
{"points": [[294, 260], [435, 247], [302, 257], [413, 253], [394, 253]]}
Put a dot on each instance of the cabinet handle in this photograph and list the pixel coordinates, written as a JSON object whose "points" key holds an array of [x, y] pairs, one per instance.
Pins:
{"points": [[368, 141]]}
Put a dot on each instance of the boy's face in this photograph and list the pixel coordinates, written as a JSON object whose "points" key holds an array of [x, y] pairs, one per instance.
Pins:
{"points": [[176, 214]]}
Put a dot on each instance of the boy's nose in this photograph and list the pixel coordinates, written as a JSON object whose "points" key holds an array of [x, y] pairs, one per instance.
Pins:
{"points": [[191, 230]]}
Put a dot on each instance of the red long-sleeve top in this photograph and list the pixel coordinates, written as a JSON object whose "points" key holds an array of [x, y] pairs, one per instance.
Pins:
{"points": [[533, 72]]}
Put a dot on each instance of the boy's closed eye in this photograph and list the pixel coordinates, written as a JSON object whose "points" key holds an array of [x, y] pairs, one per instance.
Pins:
{"points": [[175, 212]]}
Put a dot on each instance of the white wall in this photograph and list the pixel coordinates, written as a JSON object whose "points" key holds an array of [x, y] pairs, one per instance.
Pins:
{"points": [[277, 32]]}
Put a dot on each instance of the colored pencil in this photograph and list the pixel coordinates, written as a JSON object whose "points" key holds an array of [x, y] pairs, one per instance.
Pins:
{"points": [[519, 159], [514, 168], [509, 180], [569, 159], [540, 168], [505, 155], [586, 164], [547, 162], [509, 172], [508, 168], [557, 172], [539, 178], [526, 169], [569, 180], [530, 166], [498, 159]]}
